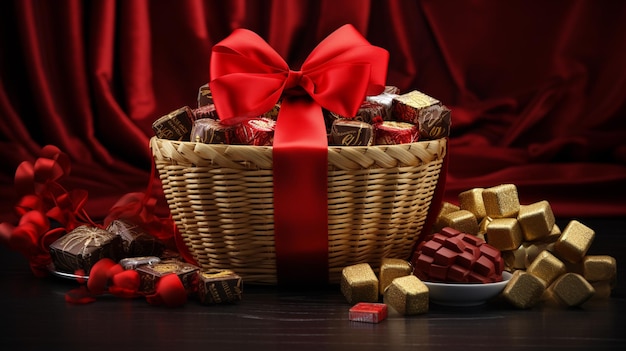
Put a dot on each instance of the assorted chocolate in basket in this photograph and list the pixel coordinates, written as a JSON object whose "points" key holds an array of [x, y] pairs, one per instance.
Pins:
{"points": [[385, 119]]}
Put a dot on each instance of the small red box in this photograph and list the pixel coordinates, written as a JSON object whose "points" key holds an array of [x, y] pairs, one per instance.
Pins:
{"points": [[368, 312]]}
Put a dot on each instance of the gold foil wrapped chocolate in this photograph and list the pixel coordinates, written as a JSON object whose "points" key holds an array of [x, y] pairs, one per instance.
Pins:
{"points": [[407, 295], [537, 220], [410, 107], [524, 290], [359, 284], [390, 269], [501, 201], [574, 241]]}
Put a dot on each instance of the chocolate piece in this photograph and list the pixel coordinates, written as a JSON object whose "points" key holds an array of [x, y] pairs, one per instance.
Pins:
{"points": [[205, 97], [219, 286], [392, 133], [367, 112], [384, 99], [211, 131], [574, 242], [351, 133], [150, 274], [368, 312], [206, 111], [537, 220], [434, 122], [410, 107], [82, 247], [359, 284], [391, 89], [501, 201], [390, 269], [176, 125], [136, 241], [255, 131], [407, 295]]}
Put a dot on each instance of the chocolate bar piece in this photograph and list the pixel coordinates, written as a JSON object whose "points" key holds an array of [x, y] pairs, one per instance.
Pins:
{"points": [[82, 247], [205, 97], [386, 100], [392, 133], [135, 240], [150, 274], [211, 131], [346, 132], [219, 286], [206, 111], [176, 125], [434, 122], [410, 107], [367, 112], [454, 256], [255, 131]]}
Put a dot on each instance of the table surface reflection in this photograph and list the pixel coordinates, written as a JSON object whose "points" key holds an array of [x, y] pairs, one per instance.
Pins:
{"points": [[35, 316]]}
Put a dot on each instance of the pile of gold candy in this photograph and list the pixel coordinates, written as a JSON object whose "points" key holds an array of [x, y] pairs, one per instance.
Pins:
{"points": [[547, 264]]}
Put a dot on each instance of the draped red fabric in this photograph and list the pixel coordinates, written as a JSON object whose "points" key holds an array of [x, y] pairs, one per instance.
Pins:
{"points": [[537, 89]]}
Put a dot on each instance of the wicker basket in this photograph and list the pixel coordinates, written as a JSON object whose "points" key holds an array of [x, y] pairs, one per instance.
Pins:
{"points": [[221, 199]]}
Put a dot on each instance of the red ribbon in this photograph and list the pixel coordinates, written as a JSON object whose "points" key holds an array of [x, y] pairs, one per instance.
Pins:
{"points": [[248, 79]]}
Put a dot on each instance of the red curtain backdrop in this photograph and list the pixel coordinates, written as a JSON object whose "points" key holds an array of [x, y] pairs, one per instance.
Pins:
{"points": [[537, 88]]}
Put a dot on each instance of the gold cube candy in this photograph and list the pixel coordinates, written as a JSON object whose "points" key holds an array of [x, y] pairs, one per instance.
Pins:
{"points": [[504, 234], [600, 267], [359, 284], [524, 290], [407, 295], [574, 242], [472, 200], [501, 201], [572, 289], [390, 269], [547, 267], [534, 249], [515, 259], [602, 289], [461, 220], [554, 234], [537, 220], [446, 208]]}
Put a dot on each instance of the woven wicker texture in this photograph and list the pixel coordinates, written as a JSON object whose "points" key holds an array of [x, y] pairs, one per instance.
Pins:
{"points": [[221, 198]]}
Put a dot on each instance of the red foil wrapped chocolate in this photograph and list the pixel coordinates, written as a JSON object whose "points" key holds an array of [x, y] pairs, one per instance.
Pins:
{"points": [[392, 133], [255, 131]]}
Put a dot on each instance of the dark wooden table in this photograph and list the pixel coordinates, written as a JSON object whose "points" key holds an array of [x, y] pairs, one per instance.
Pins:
{"points": [[34, 316]]}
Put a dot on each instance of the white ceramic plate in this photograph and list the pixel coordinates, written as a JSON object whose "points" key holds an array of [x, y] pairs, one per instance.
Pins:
{"points": [[460, 294]]}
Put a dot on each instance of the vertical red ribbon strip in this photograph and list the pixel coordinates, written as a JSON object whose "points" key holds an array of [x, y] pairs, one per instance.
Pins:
{"points": [[248, 78]]}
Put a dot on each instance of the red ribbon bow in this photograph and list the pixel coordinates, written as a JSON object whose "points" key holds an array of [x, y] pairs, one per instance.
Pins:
{"points": [[248, 79]]}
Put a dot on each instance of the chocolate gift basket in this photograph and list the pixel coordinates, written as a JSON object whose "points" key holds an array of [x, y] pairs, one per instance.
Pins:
{"points": [[222, 197]]}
